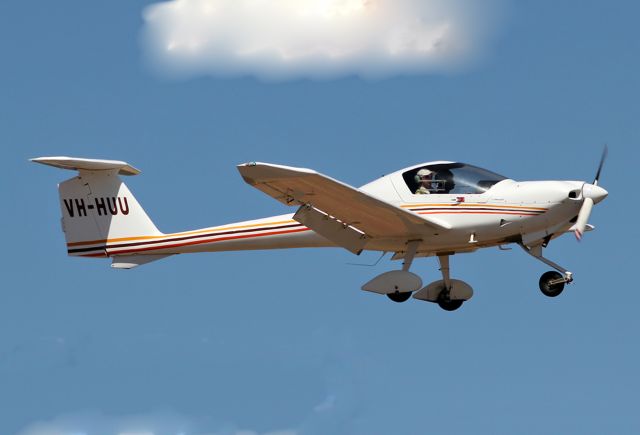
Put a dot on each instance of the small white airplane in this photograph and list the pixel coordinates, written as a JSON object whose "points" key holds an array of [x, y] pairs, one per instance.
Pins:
{"points": [[431, 209]]}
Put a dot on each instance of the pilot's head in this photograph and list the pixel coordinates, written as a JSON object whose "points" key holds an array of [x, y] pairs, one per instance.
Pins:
{"points": [[424, 177]]}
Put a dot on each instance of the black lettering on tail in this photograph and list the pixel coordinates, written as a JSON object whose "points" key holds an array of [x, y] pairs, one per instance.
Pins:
{"points": [[112, 208], [82, 211], [68, 203], [124, 209], [101, 206]]}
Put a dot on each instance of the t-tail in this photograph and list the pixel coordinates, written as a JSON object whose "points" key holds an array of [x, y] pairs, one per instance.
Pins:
{"points": [[97, 208]]}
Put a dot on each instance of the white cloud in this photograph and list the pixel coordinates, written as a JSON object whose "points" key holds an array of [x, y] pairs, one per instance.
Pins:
{"points": [[282, 39]]}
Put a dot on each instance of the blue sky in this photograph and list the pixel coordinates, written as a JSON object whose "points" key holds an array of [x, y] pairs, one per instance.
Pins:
{"points": [[285, 340]]}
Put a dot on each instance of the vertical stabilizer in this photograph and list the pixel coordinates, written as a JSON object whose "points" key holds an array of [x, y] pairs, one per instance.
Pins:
{"points": [[97, 206]]}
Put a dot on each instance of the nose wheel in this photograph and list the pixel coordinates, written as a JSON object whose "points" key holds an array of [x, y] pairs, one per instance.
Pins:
{"points": [[552, 283]]}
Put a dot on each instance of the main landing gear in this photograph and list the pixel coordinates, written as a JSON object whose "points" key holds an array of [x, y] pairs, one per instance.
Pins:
{"points": [[552, 282], [400, 285], [448, 293], [403, 296]]}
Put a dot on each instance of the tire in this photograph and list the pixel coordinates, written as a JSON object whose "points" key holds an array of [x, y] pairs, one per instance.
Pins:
{"points": [[551, 290], [450, 305], [399, 296], [447, 304]]}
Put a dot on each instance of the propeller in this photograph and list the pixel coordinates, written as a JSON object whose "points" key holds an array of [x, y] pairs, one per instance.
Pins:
{"points": [[583, 218], [605, 152], [589, 193]]}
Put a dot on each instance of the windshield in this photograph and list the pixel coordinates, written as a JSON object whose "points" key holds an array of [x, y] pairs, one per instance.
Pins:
{"points": [[450, 178]]}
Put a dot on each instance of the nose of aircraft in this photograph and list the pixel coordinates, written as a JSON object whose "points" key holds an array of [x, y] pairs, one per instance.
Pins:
{"points": [[594, 192]]}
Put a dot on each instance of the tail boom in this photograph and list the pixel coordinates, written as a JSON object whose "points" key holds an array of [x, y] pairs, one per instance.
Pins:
{"points": [[277, 232]]}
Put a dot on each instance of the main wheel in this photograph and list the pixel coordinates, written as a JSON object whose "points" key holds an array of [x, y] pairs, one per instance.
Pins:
{"points": [[450, 305], [447, 304], [548, 289], [399, 296]]}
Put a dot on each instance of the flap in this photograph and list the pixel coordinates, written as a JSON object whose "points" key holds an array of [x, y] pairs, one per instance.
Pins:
{"points": [[372, 216], [332, 229]]}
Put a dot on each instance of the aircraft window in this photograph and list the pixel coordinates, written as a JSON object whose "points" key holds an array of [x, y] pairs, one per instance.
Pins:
{"points": [[450, 178]]}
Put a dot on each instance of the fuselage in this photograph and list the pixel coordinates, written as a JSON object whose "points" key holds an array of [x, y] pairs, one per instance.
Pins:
{"points": [[505, 213]]}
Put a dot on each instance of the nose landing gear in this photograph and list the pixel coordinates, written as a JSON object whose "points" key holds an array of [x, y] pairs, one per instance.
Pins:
{"points": [[552, 282]]}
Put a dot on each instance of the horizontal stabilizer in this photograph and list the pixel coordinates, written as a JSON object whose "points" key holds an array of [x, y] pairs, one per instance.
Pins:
{"points": [[131, 261], [75, 163]]}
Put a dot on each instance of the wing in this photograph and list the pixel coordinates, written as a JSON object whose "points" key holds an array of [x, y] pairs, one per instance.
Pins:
{"points": [[336, 205]]}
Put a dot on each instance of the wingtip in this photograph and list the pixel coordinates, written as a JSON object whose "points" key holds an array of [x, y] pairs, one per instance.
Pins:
{"points": [[43, 159]]}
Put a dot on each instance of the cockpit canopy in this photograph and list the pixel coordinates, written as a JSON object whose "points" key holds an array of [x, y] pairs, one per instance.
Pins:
{"points": [[450, 178]]}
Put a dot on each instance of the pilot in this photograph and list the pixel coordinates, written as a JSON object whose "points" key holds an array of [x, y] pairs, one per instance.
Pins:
{"points": [[424, 178]]}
